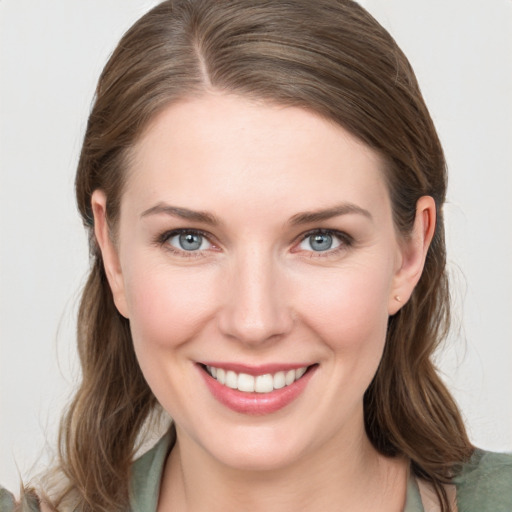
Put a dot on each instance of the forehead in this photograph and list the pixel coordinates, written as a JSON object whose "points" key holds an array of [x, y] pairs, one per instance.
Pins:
{"points": [[223, 149]]}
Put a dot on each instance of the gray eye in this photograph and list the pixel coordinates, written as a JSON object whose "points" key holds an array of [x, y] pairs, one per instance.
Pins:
{"points": [[320, 241], [189, 241]]}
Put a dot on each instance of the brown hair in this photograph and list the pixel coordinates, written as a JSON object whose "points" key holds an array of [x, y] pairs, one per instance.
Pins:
{"points": [[328, 56]]}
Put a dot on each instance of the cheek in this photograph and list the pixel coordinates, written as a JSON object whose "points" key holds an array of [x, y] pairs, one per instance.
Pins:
{"points": [[167, 306], [348, 308]]}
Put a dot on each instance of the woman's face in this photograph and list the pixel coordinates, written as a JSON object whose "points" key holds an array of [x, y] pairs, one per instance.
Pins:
{"points": [[256, 242]]}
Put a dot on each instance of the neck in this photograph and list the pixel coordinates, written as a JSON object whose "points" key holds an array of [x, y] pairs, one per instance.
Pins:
{"points": [[347, 475]]}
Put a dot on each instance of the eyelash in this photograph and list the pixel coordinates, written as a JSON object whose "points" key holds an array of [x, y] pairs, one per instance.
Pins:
{"points": [[162, 240], [346, 241]]}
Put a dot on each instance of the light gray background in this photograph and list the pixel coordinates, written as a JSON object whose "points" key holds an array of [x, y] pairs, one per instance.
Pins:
{"points": [[51, 54]]}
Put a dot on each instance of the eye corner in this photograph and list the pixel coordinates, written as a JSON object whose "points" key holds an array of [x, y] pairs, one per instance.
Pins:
{"points": [[175, 241], [329, 242]]}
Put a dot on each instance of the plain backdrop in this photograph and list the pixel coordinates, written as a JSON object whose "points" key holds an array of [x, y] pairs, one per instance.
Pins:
{"points": [[51, 54]]}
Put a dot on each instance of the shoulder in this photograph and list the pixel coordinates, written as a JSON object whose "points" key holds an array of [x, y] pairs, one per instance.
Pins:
{"points": [[6, 500], [29, 503], [485, 483]]}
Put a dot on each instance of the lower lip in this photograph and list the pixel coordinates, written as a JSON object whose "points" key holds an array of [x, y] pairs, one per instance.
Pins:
{"points": [[256, 403]]}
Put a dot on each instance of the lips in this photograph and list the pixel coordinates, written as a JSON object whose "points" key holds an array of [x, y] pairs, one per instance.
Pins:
{"points": [[256, 391], [247, 383]]}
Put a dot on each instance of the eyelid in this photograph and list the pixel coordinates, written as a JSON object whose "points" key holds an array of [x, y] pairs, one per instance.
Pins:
{"points": [[163, 239], [345, 240]]}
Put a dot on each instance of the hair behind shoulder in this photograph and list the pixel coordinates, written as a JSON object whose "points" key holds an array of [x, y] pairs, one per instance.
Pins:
{"points": [[327, 56]]}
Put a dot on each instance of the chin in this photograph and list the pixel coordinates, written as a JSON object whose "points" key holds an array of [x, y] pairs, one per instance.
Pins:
{"points": [[257, 448], [258, 460]]}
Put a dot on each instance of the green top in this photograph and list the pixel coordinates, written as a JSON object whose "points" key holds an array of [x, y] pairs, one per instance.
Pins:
{"points": [[484, 484]]}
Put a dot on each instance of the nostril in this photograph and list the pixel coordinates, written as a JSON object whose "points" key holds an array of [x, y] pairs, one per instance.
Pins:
{"points": [[258, 326]]}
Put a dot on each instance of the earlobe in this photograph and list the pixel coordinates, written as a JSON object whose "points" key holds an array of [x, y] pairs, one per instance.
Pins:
{"points": [[413, 254], [108, 250]]}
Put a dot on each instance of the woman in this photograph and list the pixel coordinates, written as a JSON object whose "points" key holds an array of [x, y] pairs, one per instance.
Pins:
{"points": [[263, 188]]}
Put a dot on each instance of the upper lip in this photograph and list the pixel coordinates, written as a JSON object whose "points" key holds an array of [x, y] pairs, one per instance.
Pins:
{"points": [[255, 370]]}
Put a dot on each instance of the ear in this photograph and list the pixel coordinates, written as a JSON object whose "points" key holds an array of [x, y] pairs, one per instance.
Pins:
{"points": [[413, 253], [108, 251]]}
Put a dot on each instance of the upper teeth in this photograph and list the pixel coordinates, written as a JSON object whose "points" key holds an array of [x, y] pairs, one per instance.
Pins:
{"points": [[259, 384]]}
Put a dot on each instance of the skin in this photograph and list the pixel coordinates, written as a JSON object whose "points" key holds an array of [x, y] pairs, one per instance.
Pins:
{"points": [[256, 293]]}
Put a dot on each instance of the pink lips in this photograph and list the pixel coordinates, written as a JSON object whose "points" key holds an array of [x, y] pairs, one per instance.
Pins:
{"points": [[255, 403]]}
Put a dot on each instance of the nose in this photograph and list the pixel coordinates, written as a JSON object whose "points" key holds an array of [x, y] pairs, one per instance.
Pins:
{"points": [[256, 309]]}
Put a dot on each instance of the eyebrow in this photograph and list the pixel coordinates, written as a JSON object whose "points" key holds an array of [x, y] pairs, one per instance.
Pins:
{"points": [[295, 220], [328, 213], [182, 213]]}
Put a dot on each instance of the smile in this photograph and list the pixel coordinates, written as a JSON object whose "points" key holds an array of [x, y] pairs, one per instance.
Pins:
{"points": [[256, 384], [256, 390]]}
